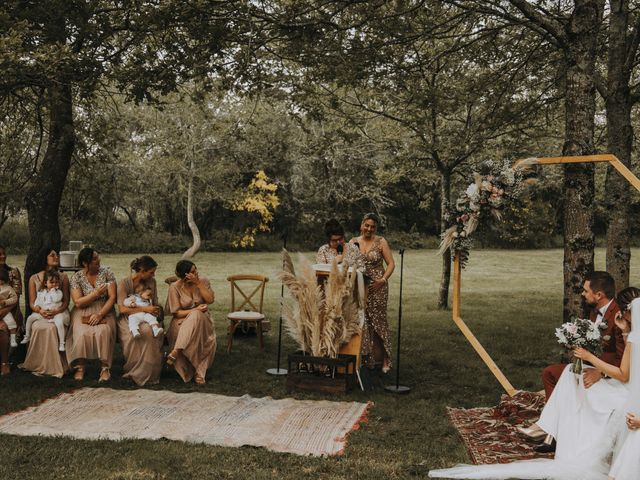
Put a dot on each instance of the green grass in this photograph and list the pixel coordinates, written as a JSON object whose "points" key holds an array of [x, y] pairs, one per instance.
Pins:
{"points": [[511, 300]]}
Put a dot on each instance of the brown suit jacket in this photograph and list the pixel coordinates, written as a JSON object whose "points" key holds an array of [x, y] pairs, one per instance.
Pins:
{"points": [[612, 340]]}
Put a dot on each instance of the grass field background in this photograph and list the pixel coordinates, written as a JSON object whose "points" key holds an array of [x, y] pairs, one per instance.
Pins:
{"points": [[512, 300]]}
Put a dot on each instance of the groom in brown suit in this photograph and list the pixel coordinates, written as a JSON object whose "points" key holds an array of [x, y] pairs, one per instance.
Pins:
{"points": [[599, 292]]}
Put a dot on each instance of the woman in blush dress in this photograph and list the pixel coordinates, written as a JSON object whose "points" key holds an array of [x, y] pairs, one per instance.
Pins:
{"points": [[43, 355], [192, 337], [143, 354]]}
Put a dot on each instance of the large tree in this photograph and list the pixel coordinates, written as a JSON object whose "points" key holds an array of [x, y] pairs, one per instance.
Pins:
{"points": [[620, 96], [64, 50]]}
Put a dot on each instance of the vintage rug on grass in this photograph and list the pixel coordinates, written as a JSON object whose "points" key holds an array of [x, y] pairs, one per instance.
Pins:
{"points": [[303, 427], [489, 433]]}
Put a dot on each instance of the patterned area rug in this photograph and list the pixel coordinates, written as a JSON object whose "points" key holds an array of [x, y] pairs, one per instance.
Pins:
{"points": [[295, 426], [490, 433]]}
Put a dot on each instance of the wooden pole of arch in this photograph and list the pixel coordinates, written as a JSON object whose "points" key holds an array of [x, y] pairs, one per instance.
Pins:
{"points": [[471, 338], [457, 267]]}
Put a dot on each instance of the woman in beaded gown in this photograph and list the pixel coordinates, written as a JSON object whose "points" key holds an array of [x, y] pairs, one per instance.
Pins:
{"points": [[379, 265]]}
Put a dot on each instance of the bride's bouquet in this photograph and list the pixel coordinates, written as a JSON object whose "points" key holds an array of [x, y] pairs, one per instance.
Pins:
{"points": [[581, 332]]}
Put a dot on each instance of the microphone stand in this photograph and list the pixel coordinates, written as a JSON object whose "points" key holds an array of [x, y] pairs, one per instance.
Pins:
{"points": [[278, 370], [397, 388]]}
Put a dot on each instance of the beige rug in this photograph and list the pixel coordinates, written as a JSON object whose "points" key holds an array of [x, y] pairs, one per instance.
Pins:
{"points": [[303, 427]]}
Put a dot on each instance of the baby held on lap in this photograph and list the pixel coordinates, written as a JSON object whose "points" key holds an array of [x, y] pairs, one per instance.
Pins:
{"points": [[142, 298]]}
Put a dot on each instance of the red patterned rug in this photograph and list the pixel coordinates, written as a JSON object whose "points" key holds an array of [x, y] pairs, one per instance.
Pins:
{"points": [[490, 434]]}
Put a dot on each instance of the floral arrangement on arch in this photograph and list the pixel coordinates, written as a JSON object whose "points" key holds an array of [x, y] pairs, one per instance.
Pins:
{"points": [[492, 190]]}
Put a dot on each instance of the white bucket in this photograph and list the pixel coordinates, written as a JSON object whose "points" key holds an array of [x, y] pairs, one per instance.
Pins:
{"points": [[68, 259]]}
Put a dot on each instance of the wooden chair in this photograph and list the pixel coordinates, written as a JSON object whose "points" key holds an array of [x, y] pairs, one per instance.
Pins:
{"points": [[246, 312]]}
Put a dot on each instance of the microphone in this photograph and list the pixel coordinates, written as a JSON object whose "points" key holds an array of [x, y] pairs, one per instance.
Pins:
{"points": [[340, 249]]}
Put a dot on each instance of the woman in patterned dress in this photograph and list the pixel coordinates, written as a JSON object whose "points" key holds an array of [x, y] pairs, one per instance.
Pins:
{"points": [[15, 282], [191, 335], [335, 238], [379, 265], [92, 333]]}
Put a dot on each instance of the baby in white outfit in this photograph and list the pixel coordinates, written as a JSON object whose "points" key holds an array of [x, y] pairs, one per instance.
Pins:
{"points": [[50, 298], [142, 298]]}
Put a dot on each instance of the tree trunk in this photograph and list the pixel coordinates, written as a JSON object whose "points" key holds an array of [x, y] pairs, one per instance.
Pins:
{"points": [[579, 240], [43, 198], [619, 143], [445, 279], [131, 215], [3, 216], [192, 224]]}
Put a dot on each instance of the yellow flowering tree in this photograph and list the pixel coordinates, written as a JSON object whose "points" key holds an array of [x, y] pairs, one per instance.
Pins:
{"points": [[259, 198]]}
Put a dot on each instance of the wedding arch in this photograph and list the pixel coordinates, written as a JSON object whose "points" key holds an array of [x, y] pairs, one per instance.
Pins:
{"points": [[457, 263]]}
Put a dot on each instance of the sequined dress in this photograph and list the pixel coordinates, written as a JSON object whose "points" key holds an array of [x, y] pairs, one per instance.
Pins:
{"points": [[376, 311]]}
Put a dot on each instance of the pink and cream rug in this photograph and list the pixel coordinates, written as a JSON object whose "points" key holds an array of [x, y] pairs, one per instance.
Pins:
{"points": [[303, 427]]}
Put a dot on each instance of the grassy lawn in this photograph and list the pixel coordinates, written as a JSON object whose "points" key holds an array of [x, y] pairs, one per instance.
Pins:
{"points": [[511, 300]]}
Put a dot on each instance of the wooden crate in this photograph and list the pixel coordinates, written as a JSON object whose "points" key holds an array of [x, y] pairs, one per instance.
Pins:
{"points": [[321, 374]]}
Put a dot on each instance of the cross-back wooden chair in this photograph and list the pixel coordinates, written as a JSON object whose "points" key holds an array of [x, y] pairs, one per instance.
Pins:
{"points": [[247, 309]]}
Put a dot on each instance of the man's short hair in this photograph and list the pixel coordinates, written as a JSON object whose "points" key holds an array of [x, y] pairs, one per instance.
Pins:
{"points": [[602, 282]]}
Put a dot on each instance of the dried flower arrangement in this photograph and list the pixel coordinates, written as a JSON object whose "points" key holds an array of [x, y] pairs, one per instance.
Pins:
{"points": [[319, 319]]}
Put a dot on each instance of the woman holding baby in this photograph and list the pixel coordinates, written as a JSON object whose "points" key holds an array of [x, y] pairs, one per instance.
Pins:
{"points": [[93, 320], [46, 334], [141, 340]]}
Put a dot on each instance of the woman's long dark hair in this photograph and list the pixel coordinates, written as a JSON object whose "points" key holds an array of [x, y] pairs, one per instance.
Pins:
{"points": [[41, 257]]}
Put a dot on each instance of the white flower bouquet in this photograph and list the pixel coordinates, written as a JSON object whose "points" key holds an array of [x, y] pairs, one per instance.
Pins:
{"points": [[581, 332]]}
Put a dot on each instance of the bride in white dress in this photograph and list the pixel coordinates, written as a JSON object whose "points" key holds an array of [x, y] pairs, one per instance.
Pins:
{"points": [[589, 424]]}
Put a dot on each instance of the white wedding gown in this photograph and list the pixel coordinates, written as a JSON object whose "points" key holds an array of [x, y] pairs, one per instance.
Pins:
{"points": [[589, 427]]}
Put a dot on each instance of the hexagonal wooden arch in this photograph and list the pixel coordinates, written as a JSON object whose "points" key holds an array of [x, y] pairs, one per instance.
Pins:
{"points": [[457, 282]]}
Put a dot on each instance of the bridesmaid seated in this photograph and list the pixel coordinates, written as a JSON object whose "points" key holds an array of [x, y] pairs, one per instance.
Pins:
{"points": [[43, 355], [143, 354], [93, 320], [192, 337]]}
